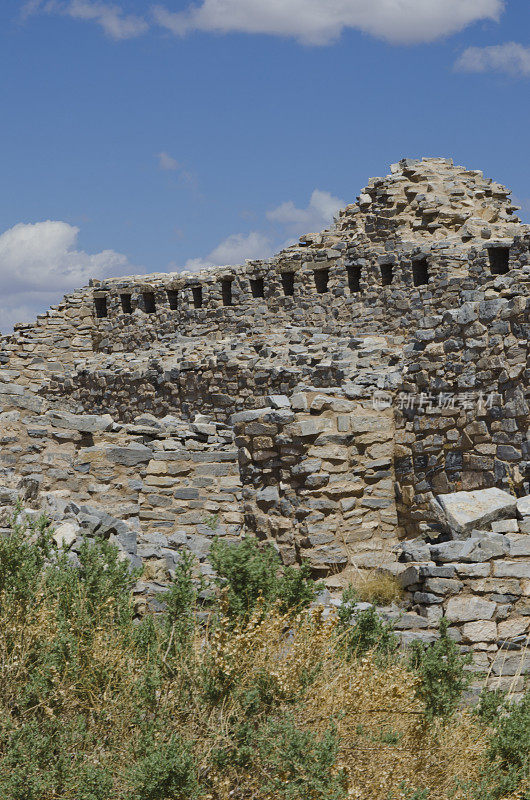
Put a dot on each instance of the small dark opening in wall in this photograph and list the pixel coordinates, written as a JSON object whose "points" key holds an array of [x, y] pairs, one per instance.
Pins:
{"points": [[499, 260], [226, 290], [322, 280], [420, 272], [288, 283], [257, 287], [197, 296], [387, 274], [149, 302], [173, 299], [354, 279], [100, 304], [126, 305]]}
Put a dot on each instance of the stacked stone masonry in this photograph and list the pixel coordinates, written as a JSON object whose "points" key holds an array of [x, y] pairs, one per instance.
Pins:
{"points": [[318, 399]]}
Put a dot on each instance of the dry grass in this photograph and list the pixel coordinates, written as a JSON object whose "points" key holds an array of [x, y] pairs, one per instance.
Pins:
{"points": [[376, 586], [387, 749], [386, 745]]}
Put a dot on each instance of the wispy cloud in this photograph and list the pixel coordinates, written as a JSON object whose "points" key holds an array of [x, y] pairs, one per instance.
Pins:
{"points": [[167, 163], [511, 58], [115, 23], [286, 220], [320, 22], [235, 249]]}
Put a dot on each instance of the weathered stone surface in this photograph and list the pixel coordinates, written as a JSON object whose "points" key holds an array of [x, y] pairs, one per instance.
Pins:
{"points": [[84, 423], [511, 569], [348, 380], [469, 609], [480, 631], [465, 511]]}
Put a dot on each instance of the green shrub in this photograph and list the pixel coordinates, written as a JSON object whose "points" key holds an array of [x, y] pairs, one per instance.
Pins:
{"points": [[365, 631], [441, 667], [490, 705], [299, 764], [165, 770], [23, 554], [181, 605], [250, 574], [509, 752]]}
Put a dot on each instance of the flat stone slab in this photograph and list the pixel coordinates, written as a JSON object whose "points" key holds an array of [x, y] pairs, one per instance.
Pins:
{"points": [[84, 423], [465, 511]]}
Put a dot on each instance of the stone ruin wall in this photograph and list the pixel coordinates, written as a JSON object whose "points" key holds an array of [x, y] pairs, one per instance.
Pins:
{"points": [[307, 462]]}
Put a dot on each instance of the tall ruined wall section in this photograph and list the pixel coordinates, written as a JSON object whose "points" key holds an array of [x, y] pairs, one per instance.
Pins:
{"points": [[421, 287], [463, 410]]}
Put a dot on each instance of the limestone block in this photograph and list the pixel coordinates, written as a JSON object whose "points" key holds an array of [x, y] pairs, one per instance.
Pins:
{"points": [[469, 609], [130, 456], [84, 423], [472, 550], [480, 631], [511, 569], [519, 545], [514, 626], [517, 664], [66, 534], [465, 511]]}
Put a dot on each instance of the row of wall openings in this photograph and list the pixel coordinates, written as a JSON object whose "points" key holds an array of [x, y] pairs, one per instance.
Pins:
{"points": [[499, 258], [499, 261]]}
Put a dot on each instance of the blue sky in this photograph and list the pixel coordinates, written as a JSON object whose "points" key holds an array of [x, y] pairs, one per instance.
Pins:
{"points": [[142, 137]]}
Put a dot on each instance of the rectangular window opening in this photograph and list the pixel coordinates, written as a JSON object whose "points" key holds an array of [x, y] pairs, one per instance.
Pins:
{"points": [[149, 302], [197, 296], [387, 274], [322, 280], [288, 283], [499, 260], [126, 305], [354, 279], [100, 304], [173, 299], [226, 290], [420, 272], [257, 287]]}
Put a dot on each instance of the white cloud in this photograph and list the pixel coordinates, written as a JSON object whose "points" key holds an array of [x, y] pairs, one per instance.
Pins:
{"points": [[315, 22], [235, 249], [287, 221], [39, 262], [318, 215], [167, 162], [111, 18], [510, 57], [320, 22]]}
